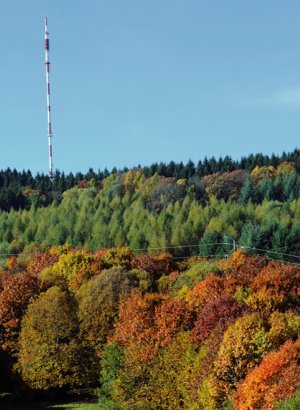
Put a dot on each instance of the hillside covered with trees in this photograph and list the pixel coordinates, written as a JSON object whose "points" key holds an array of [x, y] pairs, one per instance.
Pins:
{"points": [[183, 209], [19, 190], [164, 287], [151, 331]]}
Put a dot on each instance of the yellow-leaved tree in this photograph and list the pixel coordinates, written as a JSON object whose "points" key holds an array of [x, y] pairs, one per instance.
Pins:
{"points": [[51, 356]]}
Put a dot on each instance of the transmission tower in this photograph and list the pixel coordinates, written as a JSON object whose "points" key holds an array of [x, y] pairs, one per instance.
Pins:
{"points": [[47, 63]]}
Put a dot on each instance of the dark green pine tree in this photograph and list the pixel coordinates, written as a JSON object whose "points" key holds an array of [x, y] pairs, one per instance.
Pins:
{"points": [[266, 190], [293, 241], [280, 244], [250, 237], [248, 192], [212, 244]]}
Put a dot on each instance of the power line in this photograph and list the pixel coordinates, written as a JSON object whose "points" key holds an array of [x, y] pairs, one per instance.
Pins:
{"points": [[266, 250], [212, 256], [284, 261], [179, 246], [234, 247], [225, 254]]}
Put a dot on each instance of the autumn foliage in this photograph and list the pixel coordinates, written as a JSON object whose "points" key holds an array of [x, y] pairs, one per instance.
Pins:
{"points": [[278, 279], [158, 333], [219, 314], [41, 261], [277, 377], [207, 290], [243, 345], [136, 322], [156, 265], [51, 355], [17, 292]]}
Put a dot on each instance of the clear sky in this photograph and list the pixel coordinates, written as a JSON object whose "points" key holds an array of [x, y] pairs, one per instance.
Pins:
{"points": [[140, 81]]}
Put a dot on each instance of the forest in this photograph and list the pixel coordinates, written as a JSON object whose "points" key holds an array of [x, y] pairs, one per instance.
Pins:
{"points": [[256, 209], [164, 287], [18, 190], [142, 331]]}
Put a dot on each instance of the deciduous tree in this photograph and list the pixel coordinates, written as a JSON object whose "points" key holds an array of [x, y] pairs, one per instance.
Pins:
{"points": [[51, 356], [277, 377]]}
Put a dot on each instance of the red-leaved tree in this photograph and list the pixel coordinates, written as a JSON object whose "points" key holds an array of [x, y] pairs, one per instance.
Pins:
{"points": [[217, 313], [277, 377]]}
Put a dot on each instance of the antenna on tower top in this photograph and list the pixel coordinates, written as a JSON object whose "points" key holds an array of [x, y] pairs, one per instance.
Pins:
{"points": [[47, 63]]}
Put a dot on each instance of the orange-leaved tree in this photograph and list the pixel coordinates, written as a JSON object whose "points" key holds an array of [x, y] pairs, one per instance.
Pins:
{"points": [[241, 270], [171, 317], [277, 377], [205, 291], [150, 321], [41, 261], [17, 290], [279, 280], [136, 324]]}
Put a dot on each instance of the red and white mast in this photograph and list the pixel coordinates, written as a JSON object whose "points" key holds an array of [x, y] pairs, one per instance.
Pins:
{"points": [[51, 176]]}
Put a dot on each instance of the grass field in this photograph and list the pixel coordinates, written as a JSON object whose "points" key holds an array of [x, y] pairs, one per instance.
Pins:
{"points": [[8, 403], [82, 406], [42, 406]]}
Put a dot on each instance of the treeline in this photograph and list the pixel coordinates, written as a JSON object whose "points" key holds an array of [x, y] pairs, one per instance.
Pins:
{"points": [[150, 332], [209, 166], [19, 190], [187, 217]]}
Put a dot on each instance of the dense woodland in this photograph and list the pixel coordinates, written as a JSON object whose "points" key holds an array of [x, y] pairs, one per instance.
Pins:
{"points": [[18, 190], [185, 210], [144, 331], [164, 287]]}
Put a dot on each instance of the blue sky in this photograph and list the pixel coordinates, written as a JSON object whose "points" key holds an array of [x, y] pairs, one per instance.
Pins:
{"points": [[140, 81]]}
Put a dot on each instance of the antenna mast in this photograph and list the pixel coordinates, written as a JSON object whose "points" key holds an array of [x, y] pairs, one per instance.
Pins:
{"points": [[47, 63]]}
